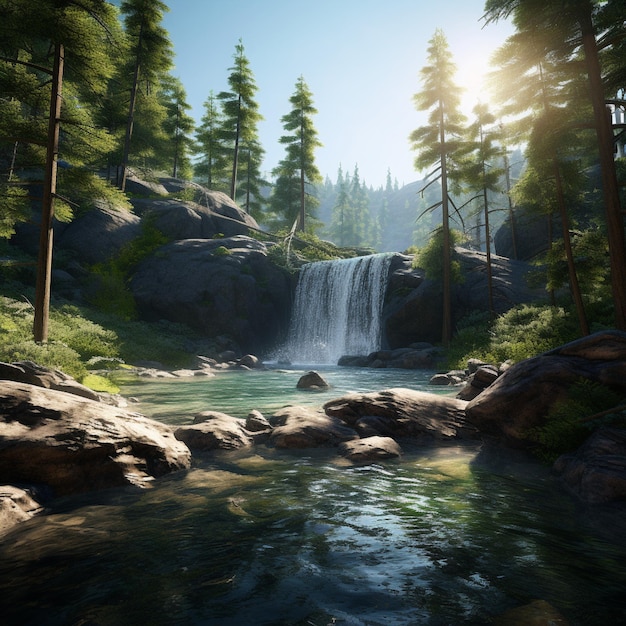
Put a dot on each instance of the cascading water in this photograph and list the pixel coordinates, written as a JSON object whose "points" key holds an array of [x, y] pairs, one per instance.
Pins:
{"points": [[337, 309]]}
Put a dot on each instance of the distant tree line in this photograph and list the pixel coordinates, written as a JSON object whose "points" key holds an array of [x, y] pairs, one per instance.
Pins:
{"points": [[88, 97]]}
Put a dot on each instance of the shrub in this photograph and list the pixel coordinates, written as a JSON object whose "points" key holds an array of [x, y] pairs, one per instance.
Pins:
{"points": [[565, 428]]}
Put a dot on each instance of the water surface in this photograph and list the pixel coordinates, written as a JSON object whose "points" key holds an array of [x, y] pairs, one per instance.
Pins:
{"points": [[444, 536]]}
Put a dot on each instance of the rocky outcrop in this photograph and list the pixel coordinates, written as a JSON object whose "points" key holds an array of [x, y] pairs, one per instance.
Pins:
{"points": [[415, 356], [74, 444], [34, 374], [414, 306], [218, 287], [99, 234], [219, 217], [400, 413], [522, 396]]}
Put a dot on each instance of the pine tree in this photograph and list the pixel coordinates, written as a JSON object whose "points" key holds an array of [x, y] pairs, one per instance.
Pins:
{"points": [[297, 173], [578, 31], [178, 127], [212, 166], [438, 143], [80, 35], [483, 177], [240, 116], [149, 61]]}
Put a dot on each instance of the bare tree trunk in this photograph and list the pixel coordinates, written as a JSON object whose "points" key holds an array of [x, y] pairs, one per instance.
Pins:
{"points": [[44, 262]]}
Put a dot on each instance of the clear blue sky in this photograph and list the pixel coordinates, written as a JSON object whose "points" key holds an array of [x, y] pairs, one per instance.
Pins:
{"points": [[360, 58]]}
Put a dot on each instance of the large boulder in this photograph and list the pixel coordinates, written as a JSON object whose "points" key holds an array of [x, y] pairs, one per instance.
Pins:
{"points": [[99, 234], [522, 396], [218, 287], [213, 430], [404, 413], [178, 219], [596, 472], [73, 444], [305, 427], [414, 304]]}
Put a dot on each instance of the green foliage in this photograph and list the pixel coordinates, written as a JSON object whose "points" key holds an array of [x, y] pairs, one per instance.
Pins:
{"points": [[521, 333], [112, 294], [565, 428], [430, 258], [84, 339]]}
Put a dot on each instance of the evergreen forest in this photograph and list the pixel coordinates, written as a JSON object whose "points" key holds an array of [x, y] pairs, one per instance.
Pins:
{"points": [[89, 97]]}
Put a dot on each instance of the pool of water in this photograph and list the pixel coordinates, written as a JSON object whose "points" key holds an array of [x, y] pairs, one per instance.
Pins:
{"points": [[444, 536]]}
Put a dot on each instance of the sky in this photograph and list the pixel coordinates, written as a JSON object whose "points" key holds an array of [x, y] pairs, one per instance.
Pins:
{"points": [[361, 59]]}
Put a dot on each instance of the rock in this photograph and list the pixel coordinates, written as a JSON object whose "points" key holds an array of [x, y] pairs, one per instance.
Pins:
{"points": [[34, 374], [413, 308], [178, 220], [250, 361], [596, 472], [99, 234], [482, 377], [213, 430], [256, 422], [312, 380], [370, 449], [217, 287], [536, 613], [16, 505], [404, 413], [522, 396], [304, 427], [74, 444]]}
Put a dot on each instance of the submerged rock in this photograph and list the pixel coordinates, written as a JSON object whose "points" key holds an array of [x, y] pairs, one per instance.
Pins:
{"points": [[370, 449], [74, 444], [596, 472]]}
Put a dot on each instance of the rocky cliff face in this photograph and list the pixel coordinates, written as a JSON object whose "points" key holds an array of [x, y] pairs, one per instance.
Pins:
{"points": [[414, 305]]}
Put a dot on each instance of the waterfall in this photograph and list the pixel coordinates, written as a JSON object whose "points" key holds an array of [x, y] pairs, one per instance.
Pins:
{"points": [[337, 309]]}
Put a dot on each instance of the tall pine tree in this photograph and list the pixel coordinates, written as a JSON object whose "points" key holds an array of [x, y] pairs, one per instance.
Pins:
{"points": [[437, 143], [297, 174]]}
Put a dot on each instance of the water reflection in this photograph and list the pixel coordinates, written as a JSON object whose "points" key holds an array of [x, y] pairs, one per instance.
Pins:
{"points": [[445, 536], [277, 538]]}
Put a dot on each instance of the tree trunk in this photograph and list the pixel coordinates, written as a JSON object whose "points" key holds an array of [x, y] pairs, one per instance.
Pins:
{"points": [[446, 323], [567, 244], [130, 122], [233, 180], [44, 262], [604, 132]]}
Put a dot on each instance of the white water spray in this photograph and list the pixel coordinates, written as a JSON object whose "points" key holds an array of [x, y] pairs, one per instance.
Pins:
{"points": [[337, 309]]}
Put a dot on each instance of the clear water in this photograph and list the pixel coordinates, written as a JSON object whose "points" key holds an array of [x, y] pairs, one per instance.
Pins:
{"points": [[444, 536]]}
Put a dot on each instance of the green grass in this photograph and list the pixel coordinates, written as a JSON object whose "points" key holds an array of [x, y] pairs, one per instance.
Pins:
{"points": [[82, 340]]}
